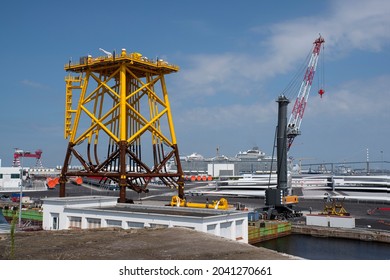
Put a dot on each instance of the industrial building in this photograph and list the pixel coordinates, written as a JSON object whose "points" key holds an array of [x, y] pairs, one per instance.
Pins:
{"points": [[87, 212], [9, 178]]}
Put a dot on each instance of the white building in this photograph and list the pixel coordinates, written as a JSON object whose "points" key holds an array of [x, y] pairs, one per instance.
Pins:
{"points": [[9, 178], [102, 211], [220, 169]]}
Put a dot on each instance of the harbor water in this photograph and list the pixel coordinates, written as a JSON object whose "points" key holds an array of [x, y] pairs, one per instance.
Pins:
{"points": [[326, 248]]}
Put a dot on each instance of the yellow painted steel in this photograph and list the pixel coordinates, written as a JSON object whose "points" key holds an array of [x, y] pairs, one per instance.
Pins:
{"points": [[119, 100], [290, 199], [70, 80], [221, 204], [335, 208], [128, 67], [78, 112], [122, 104], [170, 121]]}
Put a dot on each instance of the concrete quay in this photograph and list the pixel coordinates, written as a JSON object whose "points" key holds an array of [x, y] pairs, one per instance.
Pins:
{"points": [[356, 233]]}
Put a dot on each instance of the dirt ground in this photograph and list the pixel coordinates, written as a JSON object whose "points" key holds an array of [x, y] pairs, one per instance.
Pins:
{"points": [[134, 244]]}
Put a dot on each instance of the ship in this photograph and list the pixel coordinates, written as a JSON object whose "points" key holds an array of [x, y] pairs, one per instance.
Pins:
{"points": [[251, 172], [252, 161], [252, 154]]}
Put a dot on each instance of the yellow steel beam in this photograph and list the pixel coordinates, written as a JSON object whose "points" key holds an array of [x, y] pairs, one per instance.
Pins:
{"points": [[145, 85], [98, 122], [149, 126], [78, 111], [68, 109], [153, 125], [102, 84], [168, 107], [68, 102], [122, 103], [97, 111]]}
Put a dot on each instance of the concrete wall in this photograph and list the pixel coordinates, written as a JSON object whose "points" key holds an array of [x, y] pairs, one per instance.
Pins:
{"points": [[330, 221], [359, 234], [97, 212]]}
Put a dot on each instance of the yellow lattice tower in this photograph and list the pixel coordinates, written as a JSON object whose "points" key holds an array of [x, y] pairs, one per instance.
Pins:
{"points": [[121, 114]]}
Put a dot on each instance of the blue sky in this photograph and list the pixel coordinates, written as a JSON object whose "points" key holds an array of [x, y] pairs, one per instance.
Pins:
{"points": [[235, 59]]}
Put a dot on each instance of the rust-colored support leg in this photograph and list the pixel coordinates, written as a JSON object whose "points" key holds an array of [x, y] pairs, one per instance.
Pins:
{"points": [[180, 181], [181, 188], [62, 187], [122, 179], [64, 170]]}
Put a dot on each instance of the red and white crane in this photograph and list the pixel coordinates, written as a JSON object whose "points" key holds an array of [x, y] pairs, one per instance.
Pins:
{"points": [[294, 123], [20, 153]]}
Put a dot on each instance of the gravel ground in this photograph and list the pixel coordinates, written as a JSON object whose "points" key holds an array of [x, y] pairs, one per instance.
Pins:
{"points": [[134, 244]]}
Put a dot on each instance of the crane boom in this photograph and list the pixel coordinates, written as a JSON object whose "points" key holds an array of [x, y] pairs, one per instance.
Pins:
{"points": [[294, 123]]}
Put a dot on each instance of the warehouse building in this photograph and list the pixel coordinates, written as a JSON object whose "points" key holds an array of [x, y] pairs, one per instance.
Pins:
{"points": [[87, 212]]}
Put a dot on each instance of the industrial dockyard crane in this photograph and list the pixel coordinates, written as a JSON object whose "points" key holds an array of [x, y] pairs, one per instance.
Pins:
{"points": [[278, 201], [295, 120], [20, 153]]}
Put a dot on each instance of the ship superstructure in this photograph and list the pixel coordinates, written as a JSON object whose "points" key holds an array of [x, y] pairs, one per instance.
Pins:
{"points": [[252, 161]]}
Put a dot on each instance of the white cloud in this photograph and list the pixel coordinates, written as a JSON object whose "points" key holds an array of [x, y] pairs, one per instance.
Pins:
{"points": [[349, 25], [346, 26], [359, 25], [355, 99], [237, 115], [207, 75], [34, 84]]}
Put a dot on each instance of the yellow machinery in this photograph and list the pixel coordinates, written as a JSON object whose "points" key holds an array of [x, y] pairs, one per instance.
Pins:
{"points": [[335, 208], [116, 111], [290, 199], [221, 204]]}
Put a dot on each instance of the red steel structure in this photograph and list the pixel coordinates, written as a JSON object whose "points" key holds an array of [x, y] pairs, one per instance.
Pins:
{"points": [[20, 153], [293, 127]]}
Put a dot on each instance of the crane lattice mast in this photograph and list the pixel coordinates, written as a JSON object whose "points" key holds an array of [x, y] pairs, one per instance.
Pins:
{"points": [[293, 128]]}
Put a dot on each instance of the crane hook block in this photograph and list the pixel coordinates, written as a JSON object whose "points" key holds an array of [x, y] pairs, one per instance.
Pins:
{"points": [[321, 92]]}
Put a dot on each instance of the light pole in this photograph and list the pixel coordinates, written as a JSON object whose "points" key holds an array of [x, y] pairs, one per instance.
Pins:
{"points": [[21, 192], [20, 197], [383, 172]]}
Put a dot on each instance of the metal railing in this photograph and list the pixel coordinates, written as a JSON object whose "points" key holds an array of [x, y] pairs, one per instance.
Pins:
{"points": [[86, 60]]}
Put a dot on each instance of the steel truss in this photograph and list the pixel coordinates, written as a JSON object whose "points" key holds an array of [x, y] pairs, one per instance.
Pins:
{"points": [[122, 107]]}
